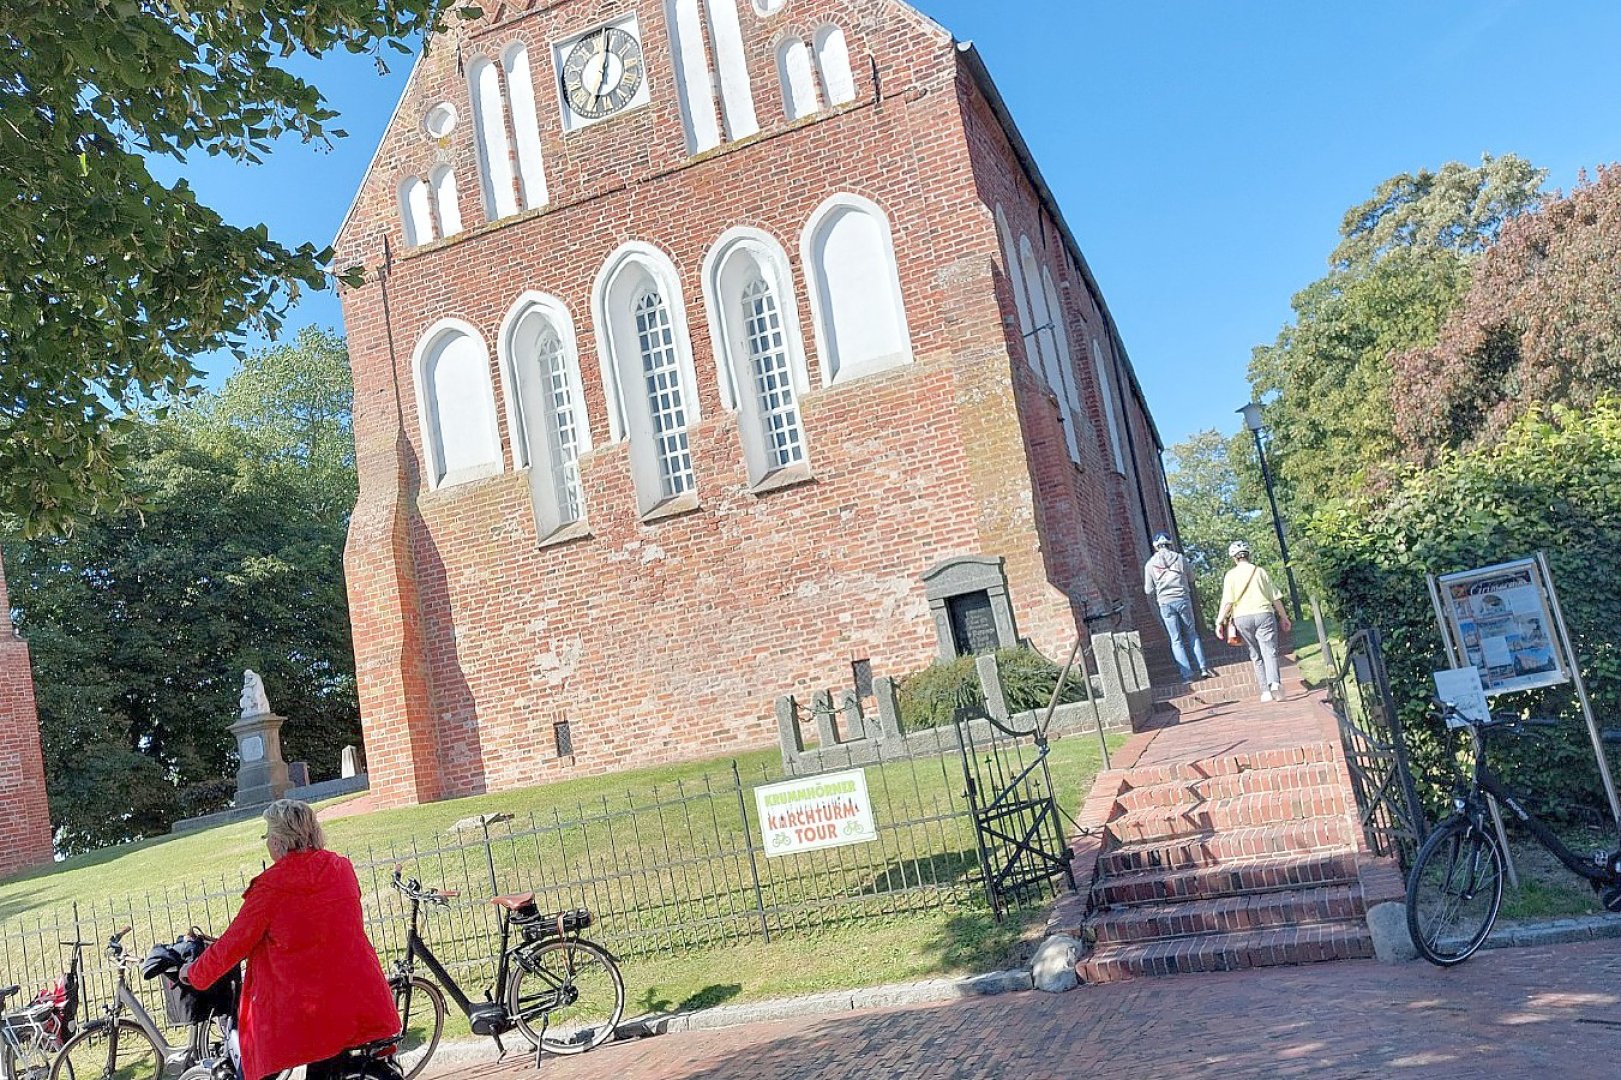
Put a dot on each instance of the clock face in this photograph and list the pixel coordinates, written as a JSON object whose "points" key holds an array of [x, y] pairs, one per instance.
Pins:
{"points": [[602, 73]]}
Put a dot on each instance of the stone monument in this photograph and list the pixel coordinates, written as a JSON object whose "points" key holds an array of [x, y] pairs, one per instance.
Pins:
{"points": [[262, 775]]}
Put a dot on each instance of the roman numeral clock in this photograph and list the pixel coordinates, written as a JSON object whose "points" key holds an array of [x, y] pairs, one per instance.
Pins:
{"points": [[601, 73]]}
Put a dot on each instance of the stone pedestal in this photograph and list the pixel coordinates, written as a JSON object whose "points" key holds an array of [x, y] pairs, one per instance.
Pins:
{"points": [[262, 777]]}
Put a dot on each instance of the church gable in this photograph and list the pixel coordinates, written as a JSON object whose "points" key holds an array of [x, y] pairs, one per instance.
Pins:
{"points": [[534, 106]]}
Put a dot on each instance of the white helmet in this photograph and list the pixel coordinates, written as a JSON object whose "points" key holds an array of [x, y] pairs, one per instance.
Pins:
{"points": [[1238, 549]]}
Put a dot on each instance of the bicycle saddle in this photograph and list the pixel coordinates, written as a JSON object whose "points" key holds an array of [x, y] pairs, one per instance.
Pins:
{"points": [[515, 901], [7, 991]]}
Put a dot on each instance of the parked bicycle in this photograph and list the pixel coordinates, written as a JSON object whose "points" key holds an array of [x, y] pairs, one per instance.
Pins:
{"points": [[126, 1043], [1455, 889], [562, 993], [31, 1035]]}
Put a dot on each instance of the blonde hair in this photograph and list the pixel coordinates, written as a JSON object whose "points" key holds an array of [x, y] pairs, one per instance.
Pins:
{"points": [[291, 826]]}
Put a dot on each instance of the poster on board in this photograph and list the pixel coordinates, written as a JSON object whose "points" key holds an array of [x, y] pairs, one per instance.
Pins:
{"points": [[824, 811], [1499, 621]]}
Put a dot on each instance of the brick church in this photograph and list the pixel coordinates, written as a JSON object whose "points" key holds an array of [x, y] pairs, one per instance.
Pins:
{"points": [[25, 827], [695, 338]]}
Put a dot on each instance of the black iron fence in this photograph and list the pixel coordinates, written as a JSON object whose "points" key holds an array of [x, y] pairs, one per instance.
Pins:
{"points": [[665, 870]]}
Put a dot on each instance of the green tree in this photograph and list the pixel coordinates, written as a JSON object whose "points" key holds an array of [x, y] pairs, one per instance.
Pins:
{"points": [[1402, 267], [141, 622], [1215, 506], [111, 281]]}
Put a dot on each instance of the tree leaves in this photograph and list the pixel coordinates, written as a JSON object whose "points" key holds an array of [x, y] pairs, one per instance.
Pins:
{"points": [[110, 282]]}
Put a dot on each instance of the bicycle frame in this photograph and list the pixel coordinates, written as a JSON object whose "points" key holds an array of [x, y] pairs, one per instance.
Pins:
{"points": [[1485, 781], [416, 948]]}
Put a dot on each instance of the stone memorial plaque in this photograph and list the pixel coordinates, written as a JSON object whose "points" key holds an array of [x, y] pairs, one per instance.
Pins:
{"points": [[253, 748], [973, 624]]}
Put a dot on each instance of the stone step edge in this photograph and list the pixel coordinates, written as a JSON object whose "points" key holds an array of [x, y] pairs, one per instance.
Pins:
{"points": [[1209, 789], [1304, 754], [1162, 953], [1100, 884], [1231, 901], [1175, 817], [1107, 860]]}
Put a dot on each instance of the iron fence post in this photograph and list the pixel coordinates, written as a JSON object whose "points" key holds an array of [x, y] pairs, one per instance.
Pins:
{"points": [[748, 844]]}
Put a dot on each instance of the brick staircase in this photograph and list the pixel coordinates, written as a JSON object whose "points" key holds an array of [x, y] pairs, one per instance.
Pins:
{"points": [[1229, 840]]}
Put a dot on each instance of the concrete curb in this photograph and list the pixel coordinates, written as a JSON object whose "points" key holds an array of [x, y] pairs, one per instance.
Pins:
{"points": [[829, 1003], [1519, 935]]}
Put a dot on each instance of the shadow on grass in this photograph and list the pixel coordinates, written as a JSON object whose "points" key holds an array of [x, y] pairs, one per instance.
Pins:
{"points": [[707, 998], [947, 868]]}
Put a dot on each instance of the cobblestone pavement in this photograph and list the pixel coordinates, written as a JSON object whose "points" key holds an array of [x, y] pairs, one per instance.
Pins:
{"points": [[1548, 1012]]}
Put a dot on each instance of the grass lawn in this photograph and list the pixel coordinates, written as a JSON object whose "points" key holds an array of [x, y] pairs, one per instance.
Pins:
{"points": [[905, 907]]}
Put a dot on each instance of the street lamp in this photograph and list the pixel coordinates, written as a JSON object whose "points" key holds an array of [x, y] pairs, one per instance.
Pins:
{"points": [[1252, 420]]}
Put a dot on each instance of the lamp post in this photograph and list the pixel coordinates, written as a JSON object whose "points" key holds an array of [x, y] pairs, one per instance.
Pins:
{"points": [[1252, 420]]}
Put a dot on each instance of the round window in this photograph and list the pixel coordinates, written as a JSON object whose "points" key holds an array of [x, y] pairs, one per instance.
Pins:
{"points": [[441, 120]]}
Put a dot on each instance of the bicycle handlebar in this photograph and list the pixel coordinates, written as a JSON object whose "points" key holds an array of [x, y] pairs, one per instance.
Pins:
{"points": [[412, 889]]}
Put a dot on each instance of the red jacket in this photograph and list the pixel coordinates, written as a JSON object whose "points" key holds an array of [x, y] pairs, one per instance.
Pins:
{"points": [[313, 987]]}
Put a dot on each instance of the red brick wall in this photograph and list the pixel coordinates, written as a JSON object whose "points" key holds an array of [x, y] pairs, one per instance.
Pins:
{"points": [[25, 825], [671, 639]]}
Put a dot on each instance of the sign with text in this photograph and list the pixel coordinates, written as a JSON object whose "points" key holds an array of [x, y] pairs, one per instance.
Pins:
{"points": [[817, 812], [1499, 620]]}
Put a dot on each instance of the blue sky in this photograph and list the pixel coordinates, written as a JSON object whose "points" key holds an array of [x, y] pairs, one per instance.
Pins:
{"points": [[1203, 153]]}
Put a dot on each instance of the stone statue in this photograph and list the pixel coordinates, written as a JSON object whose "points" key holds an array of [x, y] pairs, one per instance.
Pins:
{"points": [[254, 702]]}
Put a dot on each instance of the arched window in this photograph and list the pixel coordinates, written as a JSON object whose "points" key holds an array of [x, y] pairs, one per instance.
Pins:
{"points": [[1068, 392], [545, 412], [647, 364], [833, 60], [416, 211], [798, 76], [760, 354], [456, 405], [1106, 392], [525, 125], [1015, 275], [494, 148], [445, 201], [855, 290]]}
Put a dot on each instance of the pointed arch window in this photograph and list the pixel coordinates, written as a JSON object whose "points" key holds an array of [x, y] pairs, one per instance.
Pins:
{"points": [[540, 366], [759, 350], [666, 399]]}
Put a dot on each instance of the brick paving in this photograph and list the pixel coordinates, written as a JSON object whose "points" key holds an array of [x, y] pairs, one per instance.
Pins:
{"points": [[1552, 1012]]}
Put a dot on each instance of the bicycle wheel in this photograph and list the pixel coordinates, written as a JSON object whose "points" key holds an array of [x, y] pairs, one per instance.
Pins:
{"points": [[1454, 892], [117, 1051], [421, 1006], [566, 996]]}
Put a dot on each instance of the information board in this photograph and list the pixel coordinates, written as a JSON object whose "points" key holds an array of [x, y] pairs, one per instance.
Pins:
{"points": [[817, 812]]}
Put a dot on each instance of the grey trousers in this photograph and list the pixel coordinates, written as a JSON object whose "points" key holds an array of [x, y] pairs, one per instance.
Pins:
{"points": [[1260, 633]]}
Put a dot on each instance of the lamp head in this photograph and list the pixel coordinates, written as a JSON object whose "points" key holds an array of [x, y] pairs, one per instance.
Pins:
{"points": [[1252, 416]]}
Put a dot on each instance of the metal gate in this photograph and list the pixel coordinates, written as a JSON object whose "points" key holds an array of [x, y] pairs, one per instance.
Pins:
{"points": [[1009, 788], [1370, 729]]}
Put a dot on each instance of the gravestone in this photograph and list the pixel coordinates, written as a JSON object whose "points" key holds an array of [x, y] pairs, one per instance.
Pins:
{"points": [[262, 773]]}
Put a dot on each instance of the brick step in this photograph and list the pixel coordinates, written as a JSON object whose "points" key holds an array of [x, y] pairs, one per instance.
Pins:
{"points": [[1255, 808], [1184, 792], [1230, 914], [1209, 695], [1214, 849], [1300, 870], [1305, 754], [1228, 677], [1229, 952]]}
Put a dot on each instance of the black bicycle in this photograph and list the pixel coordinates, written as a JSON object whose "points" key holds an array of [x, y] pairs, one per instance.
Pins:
{"points": [[1455, 889], [562, 993]]}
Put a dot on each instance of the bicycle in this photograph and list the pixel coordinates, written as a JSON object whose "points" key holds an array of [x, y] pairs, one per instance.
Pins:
{"points": [[562, 993], [1460, 867], [31, 1035], [117, 1046]]}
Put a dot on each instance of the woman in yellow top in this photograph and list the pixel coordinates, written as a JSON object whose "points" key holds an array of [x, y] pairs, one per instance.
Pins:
{"points": [[1255, 607]]}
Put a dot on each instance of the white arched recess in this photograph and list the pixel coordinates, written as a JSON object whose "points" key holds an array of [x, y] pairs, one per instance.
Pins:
{"points": [[797, 73], [490, 133], [416, 210], [848, 251], [1070, 391], [525, 124], [546, 421], [645, 350], [445, 201], [456, 404], [1046, 339], [1015, 276], [833, 61], [759, 349]]}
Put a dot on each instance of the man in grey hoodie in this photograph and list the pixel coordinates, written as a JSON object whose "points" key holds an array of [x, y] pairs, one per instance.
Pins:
{"points": [[1166, 578]]}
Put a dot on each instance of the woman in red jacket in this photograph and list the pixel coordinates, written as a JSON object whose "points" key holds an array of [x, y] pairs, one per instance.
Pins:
{"points": [[313, 987]]}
